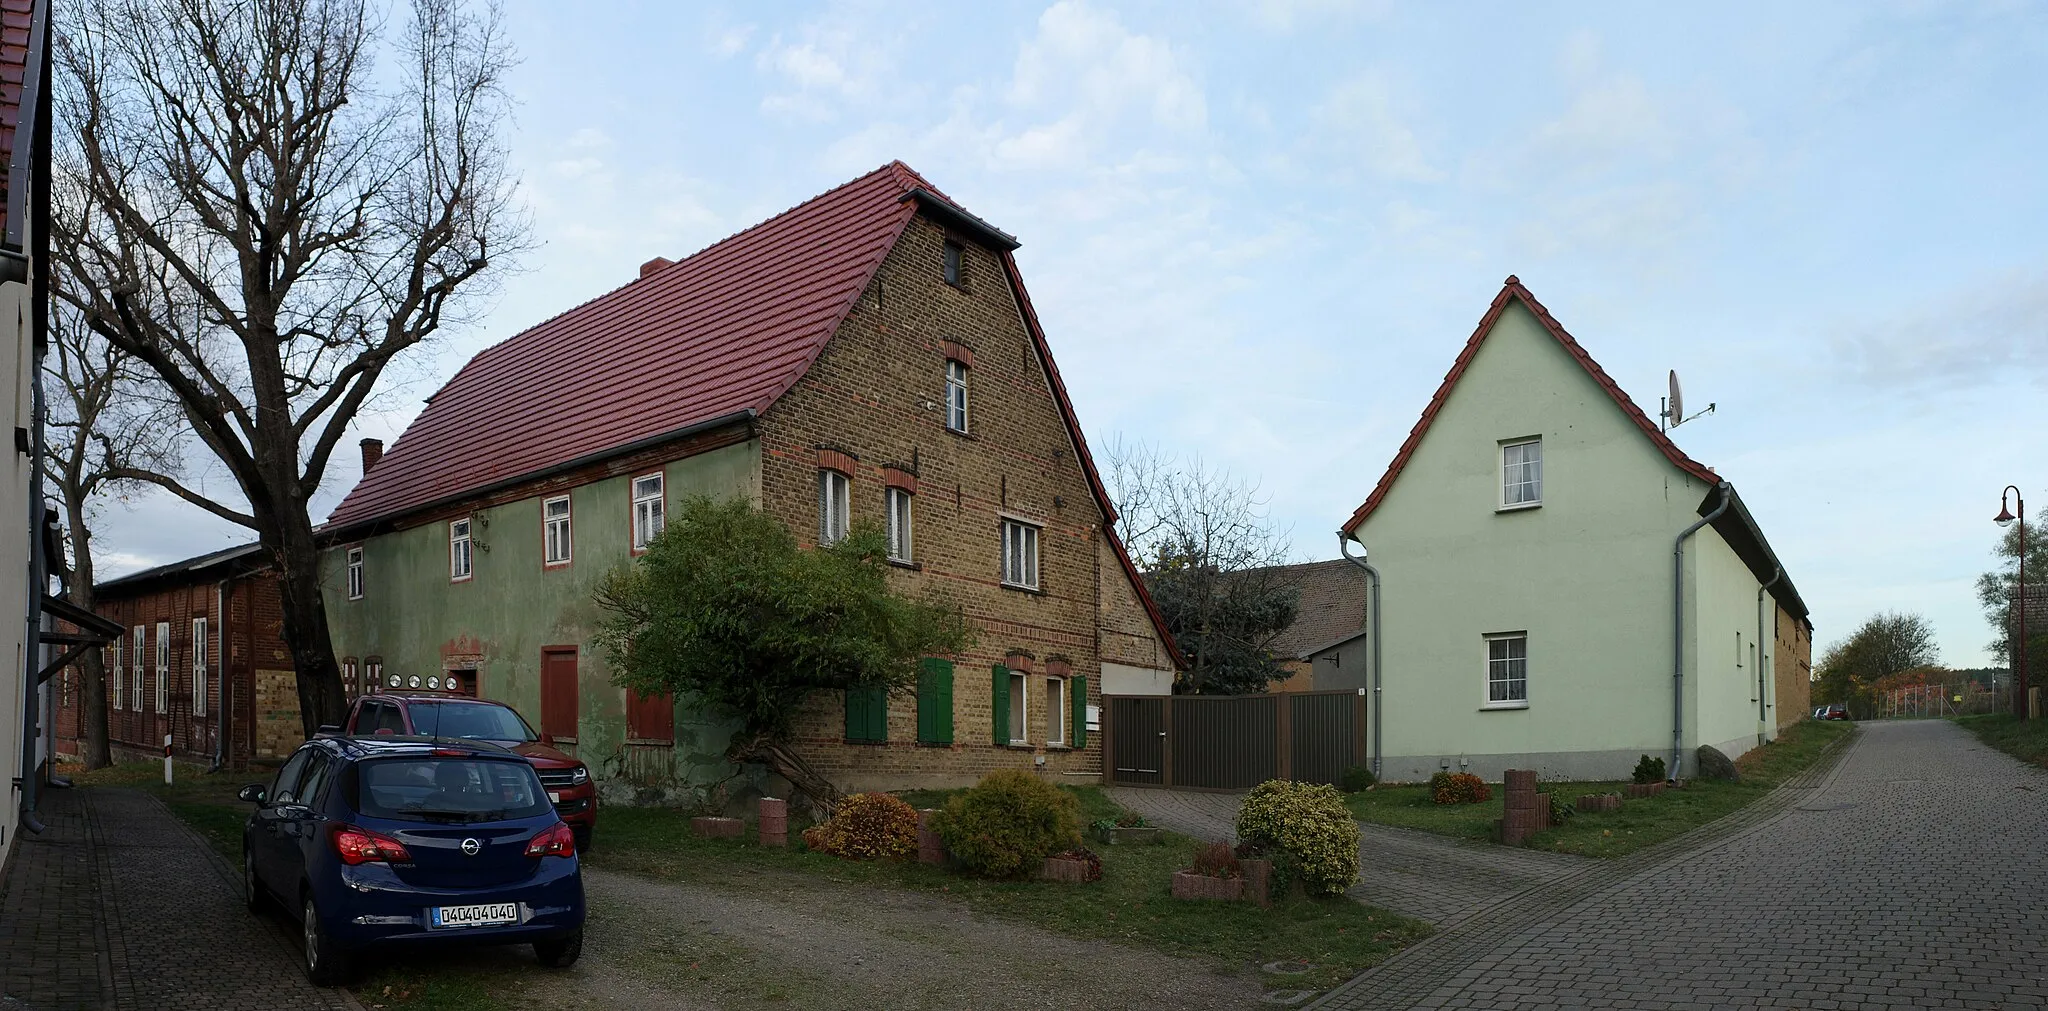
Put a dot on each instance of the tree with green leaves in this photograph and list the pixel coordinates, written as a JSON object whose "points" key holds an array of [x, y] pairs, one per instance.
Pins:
{"points": [[1886, 644], [1996, 593], [727, 610]]}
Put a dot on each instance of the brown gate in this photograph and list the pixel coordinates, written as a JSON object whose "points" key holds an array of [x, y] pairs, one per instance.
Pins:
{"points": [[1232, 742]]}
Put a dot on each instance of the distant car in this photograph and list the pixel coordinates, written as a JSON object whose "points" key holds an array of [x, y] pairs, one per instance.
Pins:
{"points": [[1834, 711], [1819, 711], [436, 714], [408, 841]]}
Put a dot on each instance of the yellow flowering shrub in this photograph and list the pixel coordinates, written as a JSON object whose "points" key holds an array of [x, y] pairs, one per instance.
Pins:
{"points": [[867, 826], [1307, 831]]}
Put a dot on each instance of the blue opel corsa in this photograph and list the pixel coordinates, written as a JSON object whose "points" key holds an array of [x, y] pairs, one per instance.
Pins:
{"points": [[393, 841]]}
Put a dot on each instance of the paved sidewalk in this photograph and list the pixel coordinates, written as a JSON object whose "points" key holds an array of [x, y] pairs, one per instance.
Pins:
{"points": [[1429, 877], [119, 905], [1904, 872]]}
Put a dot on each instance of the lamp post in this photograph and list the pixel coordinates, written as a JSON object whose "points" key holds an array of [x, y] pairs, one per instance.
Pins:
{"points": [[2005, 518]]}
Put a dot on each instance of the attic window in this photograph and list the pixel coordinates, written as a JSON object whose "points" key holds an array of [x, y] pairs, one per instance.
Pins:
{"points": [[955, 264], [1521, 474]]}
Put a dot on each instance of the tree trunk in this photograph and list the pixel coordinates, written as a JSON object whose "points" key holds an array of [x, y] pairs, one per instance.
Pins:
{"points": [[92, 689], [305, 619], [774, 753]]}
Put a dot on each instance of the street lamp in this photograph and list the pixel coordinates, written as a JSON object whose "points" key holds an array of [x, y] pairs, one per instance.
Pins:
{"points": [[2005, 518]]}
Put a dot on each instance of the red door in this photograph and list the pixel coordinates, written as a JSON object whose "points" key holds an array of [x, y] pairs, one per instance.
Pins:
{"points": [[558, 693]]}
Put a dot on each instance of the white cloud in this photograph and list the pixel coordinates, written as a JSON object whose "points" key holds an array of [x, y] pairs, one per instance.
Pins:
{"points": [[1359, 122], [1985, 331], [1085, 82]]}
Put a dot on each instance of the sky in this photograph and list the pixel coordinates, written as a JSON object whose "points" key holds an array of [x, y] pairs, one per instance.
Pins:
{"points": [[1260, 232]]}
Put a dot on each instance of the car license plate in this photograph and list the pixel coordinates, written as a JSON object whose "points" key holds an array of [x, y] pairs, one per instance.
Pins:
{"points": [[487, 915], [554, 798]]}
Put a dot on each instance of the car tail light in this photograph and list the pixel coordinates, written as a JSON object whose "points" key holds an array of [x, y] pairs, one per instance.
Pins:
{"points": [[556, 841], [362, 846]]}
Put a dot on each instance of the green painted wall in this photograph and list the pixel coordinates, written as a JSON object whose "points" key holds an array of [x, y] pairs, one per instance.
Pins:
{"points": [[412, 616], [1587, 575]]}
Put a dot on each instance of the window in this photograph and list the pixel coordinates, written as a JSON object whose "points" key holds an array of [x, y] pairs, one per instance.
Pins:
{"points": [[199, 666], [1521, 474], [135, 694], [1055, 711], [163, 667], [1020, 555], [458, 549], [647, 517], [650, 717], [954, 263], [1507, 670], [1738, 650], [285, 788], [956, 396], [867, 715], [373, 674], [351, 677], [554, 520], [832, 502], [1019, 704], [935, 702], [355, 573], [120, 677], [898, 501]]}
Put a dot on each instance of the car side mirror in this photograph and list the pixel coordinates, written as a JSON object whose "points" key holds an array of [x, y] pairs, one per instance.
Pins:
{"points": [[328, 730], [548, 740], [253, 793]]}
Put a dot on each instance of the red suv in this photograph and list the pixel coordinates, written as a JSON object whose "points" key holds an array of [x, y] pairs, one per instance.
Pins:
{"points": [[432, 714]]}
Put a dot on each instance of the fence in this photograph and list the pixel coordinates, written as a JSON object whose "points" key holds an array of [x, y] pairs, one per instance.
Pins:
{"points": [[1933, 701], [1232, 742]]}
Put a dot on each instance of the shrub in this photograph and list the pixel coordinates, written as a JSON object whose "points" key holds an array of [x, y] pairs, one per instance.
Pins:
{"points": [[867, 826], [1130, 819], [1087, 856], [1308, 831], [1008, 823], [1215, 860], [1459, 788], [1649, 770], [1559, 810], [1358, 778]]}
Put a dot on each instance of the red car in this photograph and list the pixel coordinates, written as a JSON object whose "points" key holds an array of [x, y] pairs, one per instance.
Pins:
{"points": [[432, 714], [1834, 711]]}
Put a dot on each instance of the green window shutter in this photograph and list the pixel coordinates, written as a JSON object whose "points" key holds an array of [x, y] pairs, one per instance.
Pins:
{"points": [[935, 702], [1078, 687], [867, 714], [999, 706]]}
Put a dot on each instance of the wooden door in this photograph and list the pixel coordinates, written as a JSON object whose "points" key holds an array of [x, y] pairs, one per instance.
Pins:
{"points": [[558, 693]]}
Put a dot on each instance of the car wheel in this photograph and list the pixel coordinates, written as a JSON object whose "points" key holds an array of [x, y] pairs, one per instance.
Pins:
{"points": [[327, 962], [584, 837], [562, 952], [252, 891]]}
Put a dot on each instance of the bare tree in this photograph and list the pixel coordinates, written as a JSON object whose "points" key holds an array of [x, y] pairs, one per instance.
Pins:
{"points": [[102, 429], [1209, 548], [265, 222]]}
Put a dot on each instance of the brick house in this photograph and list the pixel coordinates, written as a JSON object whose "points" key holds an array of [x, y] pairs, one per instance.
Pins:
{"points": [[201, 658], [869, 355]]}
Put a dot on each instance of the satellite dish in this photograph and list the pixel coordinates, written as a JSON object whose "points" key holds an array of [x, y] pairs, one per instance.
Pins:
{"points": [[1675, 410]]}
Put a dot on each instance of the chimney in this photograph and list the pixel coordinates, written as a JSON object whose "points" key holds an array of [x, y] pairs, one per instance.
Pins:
{"points": [[373, 451], [653, 266]]}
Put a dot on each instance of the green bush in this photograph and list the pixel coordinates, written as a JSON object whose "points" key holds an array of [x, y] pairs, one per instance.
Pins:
{"points": [[1649, 770], [867, 826], [1308, 831], [1008, 823], [1358, 778]]}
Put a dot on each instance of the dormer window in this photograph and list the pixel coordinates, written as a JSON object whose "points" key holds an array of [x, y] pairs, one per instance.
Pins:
{"points": [[1521, 474], [954, 264]]}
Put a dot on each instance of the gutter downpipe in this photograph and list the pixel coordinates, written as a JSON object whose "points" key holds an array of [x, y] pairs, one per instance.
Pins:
{"points": [[1372, 577], [1678, 628], [1763, 718], [220, 652]]}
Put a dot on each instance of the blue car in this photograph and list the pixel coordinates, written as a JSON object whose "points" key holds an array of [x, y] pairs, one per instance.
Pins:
{"points": [[412, 841]]}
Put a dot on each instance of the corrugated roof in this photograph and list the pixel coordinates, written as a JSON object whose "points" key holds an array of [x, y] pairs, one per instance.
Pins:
{"points": [[726, 330]]}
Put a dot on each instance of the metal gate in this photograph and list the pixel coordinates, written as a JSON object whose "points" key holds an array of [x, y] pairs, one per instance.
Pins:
{"points": [[1232, 742]]}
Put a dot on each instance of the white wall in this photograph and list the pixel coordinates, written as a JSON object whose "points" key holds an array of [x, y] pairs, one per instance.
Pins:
{"points": [[1119, 679]]}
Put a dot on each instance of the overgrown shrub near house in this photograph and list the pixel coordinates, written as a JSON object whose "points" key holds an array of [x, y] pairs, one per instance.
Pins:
{"points": [[867, 826], [1008, 823], [1649, 770], [1357, 779], [1459, 788], [1217, 860], [1307, 831]]}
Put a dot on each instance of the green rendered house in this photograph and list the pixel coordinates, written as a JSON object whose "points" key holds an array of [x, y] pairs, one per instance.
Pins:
{"points": [[1563, 589]]}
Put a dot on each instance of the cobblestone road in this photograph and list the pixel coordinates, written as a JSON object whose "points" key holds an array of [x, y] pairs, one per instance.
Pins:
{"points": [[119, 905], [1912, 875], [1429, 877]]}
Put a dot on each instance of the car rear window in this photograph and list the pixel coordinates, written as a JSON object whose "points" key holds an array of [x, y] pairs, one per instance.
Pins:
{"points": [[445, 789]]}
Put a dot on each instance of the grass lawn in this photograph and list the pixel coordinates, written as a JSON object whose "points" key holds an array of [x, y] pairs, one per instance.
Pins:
{"points": [[1639, 823], [2025, 740], [1130, 905]]}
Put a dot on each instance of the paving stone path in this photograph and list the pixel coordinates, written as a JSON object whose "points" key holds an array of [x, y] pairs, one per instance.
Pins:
{"points": [[120, 905], [1429, 877], [1906, 870]]}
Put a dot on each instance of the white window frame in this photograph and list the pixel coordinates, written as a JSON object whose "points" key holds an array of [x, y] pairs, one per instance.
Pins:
{"points": [[138, 683], [835, 502], [649, 515], [1020, 708], [1021, 553], [1056, 711], [556, 546], [120, 668], [355, 573], [897, 503], [373, 673], [351, 677], [1487, 700], [199, 678], [461, 551], [163, 667], [956, 396], [1522, 482]]}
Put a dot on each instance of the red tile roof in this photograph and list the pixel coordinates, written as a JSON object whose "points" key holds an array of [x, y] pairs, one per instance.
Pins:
{"points": [[16, 16], [1510, 290]]}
